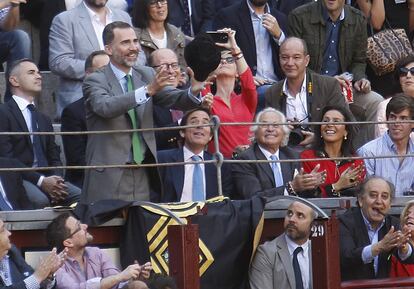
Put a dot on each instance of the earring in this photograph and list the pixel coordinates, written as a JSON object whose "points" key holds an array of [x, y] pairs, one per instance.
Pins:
{"points": [[345, 137]]}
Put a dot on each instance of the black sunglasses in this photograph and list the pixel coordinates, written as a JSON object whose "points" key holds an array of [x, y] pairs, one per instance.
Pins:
{"points": [[404, 71]]}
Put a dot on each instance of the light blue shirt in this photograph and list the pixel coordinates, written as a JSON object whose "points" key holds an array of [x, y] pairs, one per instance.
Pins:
{"points": [[399, 173], [265, 68]]}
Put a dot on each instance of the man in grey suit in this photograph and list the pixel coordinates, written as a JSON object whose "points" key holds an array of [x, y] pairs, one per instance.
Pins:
{"points": [[74, 34], [117, 96], [285, 262]]}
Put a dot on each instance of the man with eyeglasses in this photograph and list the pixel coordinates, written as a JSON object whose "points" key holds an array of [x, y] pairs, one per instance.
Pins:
{"points": [[396, 142], [74, 34], [15, 273], [274, 177], [197, 181], [89, 267], [303, 93], [167, 59]]}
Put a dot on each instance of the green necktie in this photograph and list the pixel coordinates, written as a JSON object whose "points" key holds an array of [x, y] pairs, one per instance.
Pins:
{"points": [[136, 146]]}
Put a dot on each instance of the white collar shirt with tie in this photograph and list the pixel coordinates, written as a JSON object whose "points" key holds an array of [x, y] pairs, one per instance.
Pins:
{"points": [[3, 194], [303, 259], [268, 156], [187, 193]]}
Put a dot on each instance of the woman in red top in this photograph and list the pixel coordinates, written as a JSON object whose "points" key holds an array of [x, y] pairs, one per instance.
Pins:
{"points": [[334, 140], [399, 269], [229, 106]]}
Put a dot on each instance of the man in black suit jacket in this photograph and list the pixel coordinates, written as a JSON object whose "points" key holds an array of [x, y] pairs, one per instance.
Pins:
{"points": [[177, 181], [273, 178], [12, 184], [361, 256], [74, 120], [202, 14], [17, 274], [238, 17], [33, 151]]}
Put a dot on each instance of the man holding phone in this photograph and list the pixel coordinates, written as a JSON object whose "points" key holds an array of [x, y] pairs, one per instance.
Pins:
{"points": [[259, 32]]}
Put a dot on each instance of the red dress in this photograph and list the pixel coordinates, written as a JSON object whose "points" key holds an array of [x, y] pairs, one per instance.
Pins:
{"points": [[243, 108], [401, 270], [333, 172]]}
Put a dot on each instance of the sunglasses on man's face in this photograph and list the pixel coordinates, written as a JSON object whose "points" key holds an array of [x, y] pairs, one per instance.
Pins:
{"points": [[404, 71]]}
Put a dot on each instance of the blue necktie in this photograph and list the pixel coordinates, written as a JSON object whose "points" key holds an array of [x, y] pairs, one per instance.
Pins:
{"points": [[296, 268], [37, 145], [276, 172], [198, 183]]}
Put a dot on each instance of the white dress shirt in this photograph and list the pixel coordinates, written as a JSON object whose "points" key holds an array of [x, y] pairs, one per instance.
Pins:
{"points": [[296, 105], [267, 154], [98, 26], [3, 193], [187, 194]]}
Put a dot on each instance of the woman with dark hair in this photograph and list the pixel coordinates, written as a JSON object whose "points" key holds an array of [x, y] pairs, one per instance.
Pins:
{"points": [[404, 76], [334, 140], [150, 17], [228, 105]]}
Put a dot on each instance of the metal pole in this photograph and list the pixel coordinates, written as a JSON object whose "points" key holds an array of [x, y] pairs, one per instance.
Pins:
{"points": [[218, 155]]}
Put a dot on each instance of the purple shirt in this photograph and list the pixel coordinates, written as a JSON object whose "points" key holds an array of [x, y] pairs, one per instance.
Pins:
{"points": [[97, 266]]}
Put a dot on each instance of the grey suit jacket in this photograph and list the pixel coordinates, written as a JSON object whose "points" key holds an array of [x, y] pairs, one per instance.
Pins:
{"points": [[106, 109], [272, 266], [71, 40]]}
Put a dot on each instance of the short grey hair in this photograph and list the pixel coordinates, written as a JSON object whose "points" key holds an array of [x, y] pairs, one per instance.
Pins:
{"points": [[282, 118]]}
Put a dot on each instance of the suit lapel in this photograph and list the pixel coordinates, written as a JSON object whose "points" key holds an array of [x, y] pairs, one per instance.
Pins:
{"points": [[283, 252], [264, 166], [86, 24], [211, 177], [17, 114], [179, 170], [285, 167], [247, 25]]}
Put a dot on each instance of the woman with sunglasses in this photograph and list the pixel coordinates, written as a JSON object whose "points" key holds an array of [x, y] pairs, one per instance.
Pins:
{"points": [[227, 104], [404, 76], [153, 30], [334, 140]]}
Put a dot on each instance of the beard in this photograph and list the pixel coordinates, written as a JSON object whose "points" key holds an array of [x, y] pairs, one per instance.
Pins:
{"points": [[123, 61], [295, 234], [96, 3], [258, 3]]}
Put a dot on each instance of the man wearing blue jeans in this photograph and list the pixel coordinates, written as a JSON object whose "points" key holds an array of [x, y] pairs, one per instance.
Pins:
{"points": [[14, 43]]}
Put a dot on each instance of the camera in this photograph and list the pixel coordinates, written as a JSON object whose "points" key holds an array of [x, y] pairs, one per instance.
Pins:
{"points": [[219, 37], [296, 136]]}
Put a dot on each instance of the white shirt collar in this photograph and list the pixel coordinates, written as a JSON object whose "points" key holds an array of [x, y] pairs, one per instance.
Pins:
{"points": [[188, 154], [252, 12], [267, 154], [21, 102], [286, 91], [93, 14], [119, 74], [292, 246]]}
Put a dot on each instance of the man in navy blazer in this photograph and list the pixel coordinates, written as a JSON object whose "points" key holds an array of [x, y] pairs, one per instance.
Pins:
{"points": [[273, 178], [202, 14], [15, 273], [177, 180]]}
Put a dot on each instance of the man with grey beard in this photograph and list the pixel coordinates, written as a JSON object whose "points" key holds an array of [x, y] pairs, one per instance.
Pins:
{"points": [[74, 35], [285, 262]]}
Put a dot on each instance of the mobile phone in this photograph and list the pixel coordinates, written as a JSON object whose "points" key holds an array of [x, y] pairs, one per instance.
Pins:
{"points": [[218, 37]]}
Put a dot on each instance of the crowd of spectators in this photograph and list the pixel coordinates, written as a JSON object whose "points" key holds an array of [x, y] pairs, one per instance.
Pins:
{"points": [[123, 65]]}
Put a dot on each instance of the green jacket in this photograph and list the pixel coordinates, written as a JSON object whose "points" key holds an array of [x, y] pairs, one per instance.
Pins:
{"points": [[307, 22]]}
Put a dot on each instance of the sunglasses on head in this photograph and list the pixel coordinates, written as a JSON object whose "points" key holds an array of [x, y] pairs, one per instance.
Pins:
{"points": [[404, 71]]}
